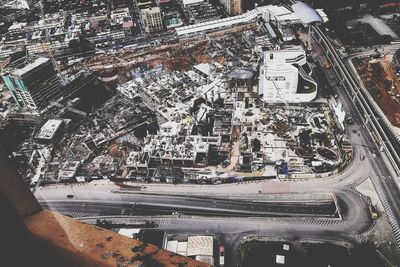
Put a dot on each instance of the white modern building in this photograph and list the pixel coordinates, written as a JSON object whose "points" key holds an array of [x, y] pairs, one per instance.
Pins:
{"points": [[285, 76]]}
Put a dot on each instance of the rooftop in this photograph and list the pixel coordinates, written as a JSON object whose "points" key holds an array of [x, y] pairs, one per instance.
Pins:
{"points": [[241, 74], [200, 245], [306, 13], [49, 129], [30, 66]]}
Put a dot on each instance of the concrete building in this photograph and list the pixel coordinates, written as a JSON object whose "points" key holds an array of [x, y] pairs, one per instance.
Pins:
{"points": [[232, 7], [202, 12], [152, 19], [200, 248], [285, 76], [191, 2], [144, 4], [32, 83], [49, 130], [278, 15]]}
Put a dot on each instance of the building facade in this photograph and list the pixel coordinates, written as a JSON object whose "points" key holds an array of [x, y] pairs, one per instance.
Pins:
{"points": [[285, 76], [232, 7], [33, 84], [152, 19]]}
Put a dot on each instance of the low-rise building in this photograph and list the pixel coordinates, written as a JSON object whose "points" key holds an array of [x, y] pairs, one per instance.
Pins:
{"points": [[49, 130]]}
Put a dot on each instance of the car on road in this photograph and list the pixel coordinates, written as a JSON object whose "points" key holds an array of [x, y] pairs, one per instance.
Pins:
{"points": [[349, 120], [373, 212], [70, 196], [374, 156]]}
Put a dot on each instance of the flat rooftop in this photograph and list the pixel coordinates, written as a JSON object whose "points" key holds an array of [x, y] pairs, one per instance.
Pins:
{"points": [[30, 66], [49, 129]]}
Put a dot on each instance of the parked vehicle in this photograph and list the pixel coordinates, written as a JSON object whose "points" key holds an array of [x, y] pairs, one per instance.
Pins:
{"points": [[221, 255]]}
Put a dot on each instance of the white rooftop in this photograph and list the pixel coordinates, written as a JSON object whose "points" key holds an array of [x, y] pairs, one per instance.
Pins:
{"points": [[172, 246], [17, 25], [279, 10], [200, 245], [49, 129], [306, 13], [190, 2], [182, 248], [280, 13], [128, 232], [204, 68], [280, 259]]}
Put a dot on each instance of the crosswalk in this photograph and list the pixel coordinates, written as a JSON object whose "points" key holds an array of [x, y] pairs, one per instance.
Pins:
{"points": [[163, 224], [318, 222], [166, 224], [73, 214], [356, 182]]}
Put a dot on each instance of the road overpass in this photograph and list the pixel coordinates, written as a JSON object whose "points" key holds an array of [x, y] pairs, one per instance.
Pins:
{"points": [[386, 180]]}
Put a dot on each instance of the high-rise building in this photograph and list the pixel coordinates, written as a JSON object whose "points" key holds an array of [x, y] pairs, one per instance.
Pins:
{"points": [[152, 19], [232, 7], [237, 7], [33, 83]]}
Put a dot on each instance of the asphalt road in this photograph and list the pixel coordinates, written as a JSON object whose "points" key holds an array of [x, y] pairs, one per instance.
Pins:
{"points": [[140, 204], [384, 178], [232, 230]]}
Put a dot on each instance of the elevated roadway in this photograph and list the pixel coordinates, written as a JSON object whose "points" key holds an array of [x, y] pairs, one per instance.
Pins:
{"points": [[386, 171]]}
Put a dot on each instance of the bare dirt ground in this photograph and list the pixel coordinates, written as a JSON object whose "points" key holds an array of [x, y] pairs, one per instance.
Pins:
{"points": [[381, 81]]}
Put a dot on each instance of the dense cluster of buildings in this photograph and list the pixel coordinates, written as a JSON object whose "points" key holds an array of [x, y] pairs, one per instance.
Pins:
{"points": [[208, 120], [200, 247]]}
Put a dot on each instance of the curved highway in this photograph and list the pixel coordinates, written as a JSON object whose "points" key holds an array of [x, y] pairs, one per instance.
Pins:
{"points": [[234, 230]]}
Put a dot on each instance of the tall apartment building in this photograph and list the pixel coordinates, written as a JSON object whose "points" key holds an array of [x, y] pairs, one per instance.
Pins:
{"points": [[152, 19], [32, 83], [232, 7]]}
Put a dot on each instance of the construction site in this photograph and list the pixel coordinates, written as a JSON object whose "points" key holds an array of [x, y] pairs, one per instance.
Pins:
{"points": [[380, 75], [198, 110]]}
